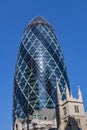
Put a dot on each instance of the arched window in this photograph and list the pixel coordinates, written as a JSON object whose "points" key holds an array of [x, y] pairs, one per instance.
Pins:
{"points": [[16, 126]]}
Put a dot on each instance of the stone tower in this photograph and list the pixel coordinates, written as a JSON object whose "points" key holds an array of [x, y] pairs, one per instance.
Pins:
{"points": [[72, 114]]}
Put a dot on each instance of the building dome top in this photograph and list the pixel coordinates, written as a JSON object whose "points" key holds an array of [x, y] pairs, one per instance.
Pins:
{"points": [[39, 20]]}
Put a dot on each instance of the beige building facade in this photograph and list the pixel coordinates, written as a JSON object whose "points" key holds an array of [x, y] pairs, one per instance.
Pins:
{"points": [[86, 118], [72, 114]]}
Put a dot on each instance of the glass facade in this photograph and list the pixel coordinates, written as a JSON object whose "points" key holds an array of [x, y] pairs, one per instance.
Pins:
{"points": [[40, 61]]}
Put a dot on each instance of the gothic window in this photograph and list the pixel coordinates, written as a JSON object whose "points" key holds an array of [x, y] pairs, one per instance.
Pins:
{"points": [[65, 111], [78, 122], [16, 127], [76, 109]]}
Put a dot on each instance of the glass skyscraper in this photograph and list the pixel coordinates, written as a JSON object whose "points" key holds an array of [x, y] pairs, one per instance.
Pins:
{"points": [[40, 60]]}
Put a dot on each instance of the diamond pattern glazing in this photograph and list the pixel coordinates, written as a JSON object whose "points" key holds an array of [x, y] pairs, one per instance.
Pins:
{"points": [[40, 61]]}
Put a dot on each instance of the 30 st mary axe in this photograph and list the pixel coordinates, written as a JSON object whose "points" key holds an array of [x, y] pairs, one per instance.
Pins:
{"points": [[40, 60]]}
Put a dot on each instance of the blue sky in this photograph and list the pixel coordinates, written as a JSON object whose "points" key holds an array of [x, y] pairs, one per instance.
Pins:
{"points": [[69, 20]]}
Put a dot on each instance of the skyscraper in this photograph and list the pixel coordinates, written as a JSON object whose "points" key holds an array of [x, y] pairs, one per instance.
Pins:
{"points": [[40, 60]]}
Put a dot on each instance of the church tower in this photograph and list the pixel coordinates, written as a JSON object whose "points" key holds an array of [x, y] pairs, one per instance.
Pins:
{"points": [[72, 114]]}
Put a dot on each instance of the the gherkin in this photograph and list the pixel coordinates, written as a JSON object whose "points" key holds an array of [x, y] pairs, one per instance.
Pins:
{"points": [[40, 61]]}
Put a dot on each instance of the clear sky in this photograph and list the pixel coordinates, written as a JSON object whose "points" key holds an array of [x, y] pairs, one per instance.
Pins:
{"points": [[69, 20]]}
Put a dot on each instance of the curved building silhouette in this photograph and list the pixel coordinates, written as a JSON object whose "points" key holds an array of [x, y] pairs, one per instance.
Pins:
{"points": [[40, 60]]}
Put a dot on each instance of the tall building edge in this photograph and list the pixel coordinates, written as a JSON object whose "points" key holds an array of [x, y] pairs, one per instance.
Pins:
{"points": [[40, 60]]}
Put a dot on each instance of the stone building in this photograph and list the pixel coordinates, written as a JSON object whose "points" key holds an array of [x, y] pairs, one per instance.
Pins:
{"points": [[72, 114], [40, 120]]}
